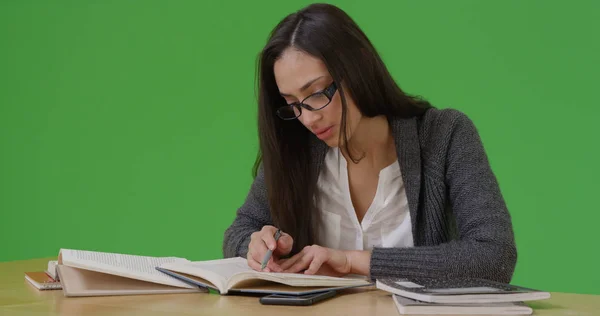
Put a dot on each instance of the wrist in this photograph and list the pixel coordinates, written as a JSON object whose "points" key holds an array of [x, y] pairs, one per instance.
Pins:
{"points": [[359, 261]]}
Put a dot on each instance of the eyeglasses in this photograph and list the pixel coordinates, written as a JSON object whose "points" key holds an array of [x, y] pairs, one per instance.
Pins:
{"points": [[313, 102]]}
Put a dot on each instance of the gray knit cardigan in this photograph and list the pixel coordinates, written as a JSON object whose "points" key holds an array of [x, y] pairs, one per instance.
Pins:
{"points": [[460, 223]]}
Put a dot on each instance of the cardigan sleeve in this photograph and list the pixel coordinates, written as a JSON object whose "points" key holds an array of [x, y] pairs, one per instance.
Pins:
{"points": [[251, 216], [485, 246]]}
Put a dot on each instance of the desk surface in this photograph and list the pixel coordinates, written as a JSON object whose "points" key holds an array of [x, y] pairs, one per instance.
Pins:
{"points": [[18, 297]]}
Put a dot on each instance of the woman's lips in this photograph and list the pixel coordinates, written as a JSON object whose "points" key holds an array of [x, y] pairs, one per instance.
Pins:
{"points": [[324, 133]]}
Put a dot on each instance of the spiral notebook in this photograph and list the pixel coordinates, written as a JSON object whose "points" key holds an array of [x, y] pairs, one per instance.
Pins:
{"points": [[42, 281]]}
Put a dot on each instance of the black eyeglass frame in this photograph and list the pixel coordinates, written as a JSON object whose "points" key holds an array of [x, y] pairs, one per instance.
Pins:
{"points": [[328, 92]]}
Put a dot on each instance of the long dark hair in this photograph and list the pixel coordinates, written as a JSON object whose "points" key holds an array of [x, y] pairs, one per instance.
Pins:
{"points": [[328, 33]]}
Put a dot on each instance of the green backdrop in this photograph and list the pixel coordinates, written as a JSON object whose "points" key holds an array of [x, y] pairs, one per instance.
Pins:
{"points": [[129, 126]]}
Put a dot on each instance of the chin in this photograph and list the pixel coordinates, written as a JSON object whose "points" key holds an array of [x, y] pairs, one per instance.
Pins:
{"points": [[333, 143]]}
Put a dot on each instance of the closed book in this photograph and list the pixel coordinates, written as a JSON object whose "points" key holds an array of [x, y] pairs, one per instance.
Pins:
{"points": [[413, 307], [42, 281], [459, 290]]}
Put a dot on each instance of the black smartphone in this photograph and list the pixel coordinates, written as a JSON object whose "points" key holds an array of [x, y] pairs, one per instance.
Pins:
{"points": [[296, 300]]}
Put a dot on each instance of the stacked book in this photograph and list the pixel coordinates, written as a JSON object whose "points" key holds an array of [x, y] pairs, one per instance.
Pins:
{"points": [[45, 280], [459, 296]]}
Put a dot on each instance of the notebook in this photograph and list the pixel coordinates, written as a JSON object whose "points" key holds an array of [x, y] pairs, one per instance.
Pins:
{"points": [[42, 281], [468, 290], [409, 306], [233, 275]]}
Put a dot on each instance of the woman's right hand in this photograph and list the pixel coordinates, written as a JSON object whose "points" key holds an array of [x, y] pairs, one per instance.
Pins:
{"points": [[263, 240]]}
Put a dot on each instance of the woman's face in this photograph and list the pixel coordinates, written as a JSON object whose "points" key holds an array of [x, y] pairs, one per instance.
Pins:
{"points": [[299, 75]]}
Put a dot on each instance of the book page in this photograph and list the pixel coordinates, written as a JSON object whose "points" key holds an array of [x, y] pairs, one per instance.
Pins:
{"points": [[225, 273], [218, 272], [224, 267], [227, 268], [297, 279], [130, 266]]}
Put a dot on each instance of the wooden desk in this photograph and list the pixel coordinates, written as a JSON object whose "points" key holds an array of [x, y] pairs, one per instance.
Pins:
{"points": [[18, 297]]}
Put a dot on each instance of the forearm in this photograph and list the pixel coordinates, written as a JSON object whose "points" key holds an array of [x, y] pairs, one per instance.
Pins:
{"points": [[458, 259], [237, 236], [236, 239], [250, 217]]}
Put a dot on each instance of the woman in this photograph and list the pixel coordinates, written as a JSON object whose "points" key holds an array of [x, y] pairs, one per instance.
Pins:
{"points": [[360, 177]]}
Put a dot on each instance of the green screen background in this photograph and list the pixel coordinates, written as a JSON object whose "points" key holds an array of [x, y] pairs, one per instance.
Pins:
{"points": [[129, 126]]}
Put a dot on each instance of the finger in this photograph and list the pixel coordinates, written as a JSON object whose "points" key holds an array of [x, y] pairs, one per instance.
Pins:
{"points": [[267, 235], [273, 266], [253, 264], [269, 241], [259, 255], [289, 262], [256, 250], [252, 255], [285, 263], [316, 263], [302, 263], [284, 244]]}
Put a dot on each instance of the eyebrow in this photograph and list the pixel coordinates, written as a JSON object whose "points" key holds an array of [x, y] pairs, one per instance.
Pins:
{"points": [[304, 87]]}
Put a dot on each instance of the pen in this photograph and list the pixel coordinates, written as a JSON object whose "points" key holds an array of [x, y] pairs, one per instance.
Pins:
{"points": [[270, 252]]}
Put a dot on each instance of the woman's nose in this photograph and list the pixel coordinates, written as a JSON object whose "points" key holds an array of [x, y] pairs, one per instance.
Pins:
{"points": [[308, 118]]}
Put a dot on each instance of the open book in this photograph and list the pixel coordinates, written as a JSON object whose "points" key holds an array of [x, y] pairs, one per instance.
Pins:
{"points": [[90, 273], [234, 275]]}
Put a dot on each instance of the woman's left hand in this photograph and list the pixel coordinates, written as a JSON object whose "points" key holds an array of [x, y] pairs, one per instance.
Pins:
{"points": [[318, 260]]}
